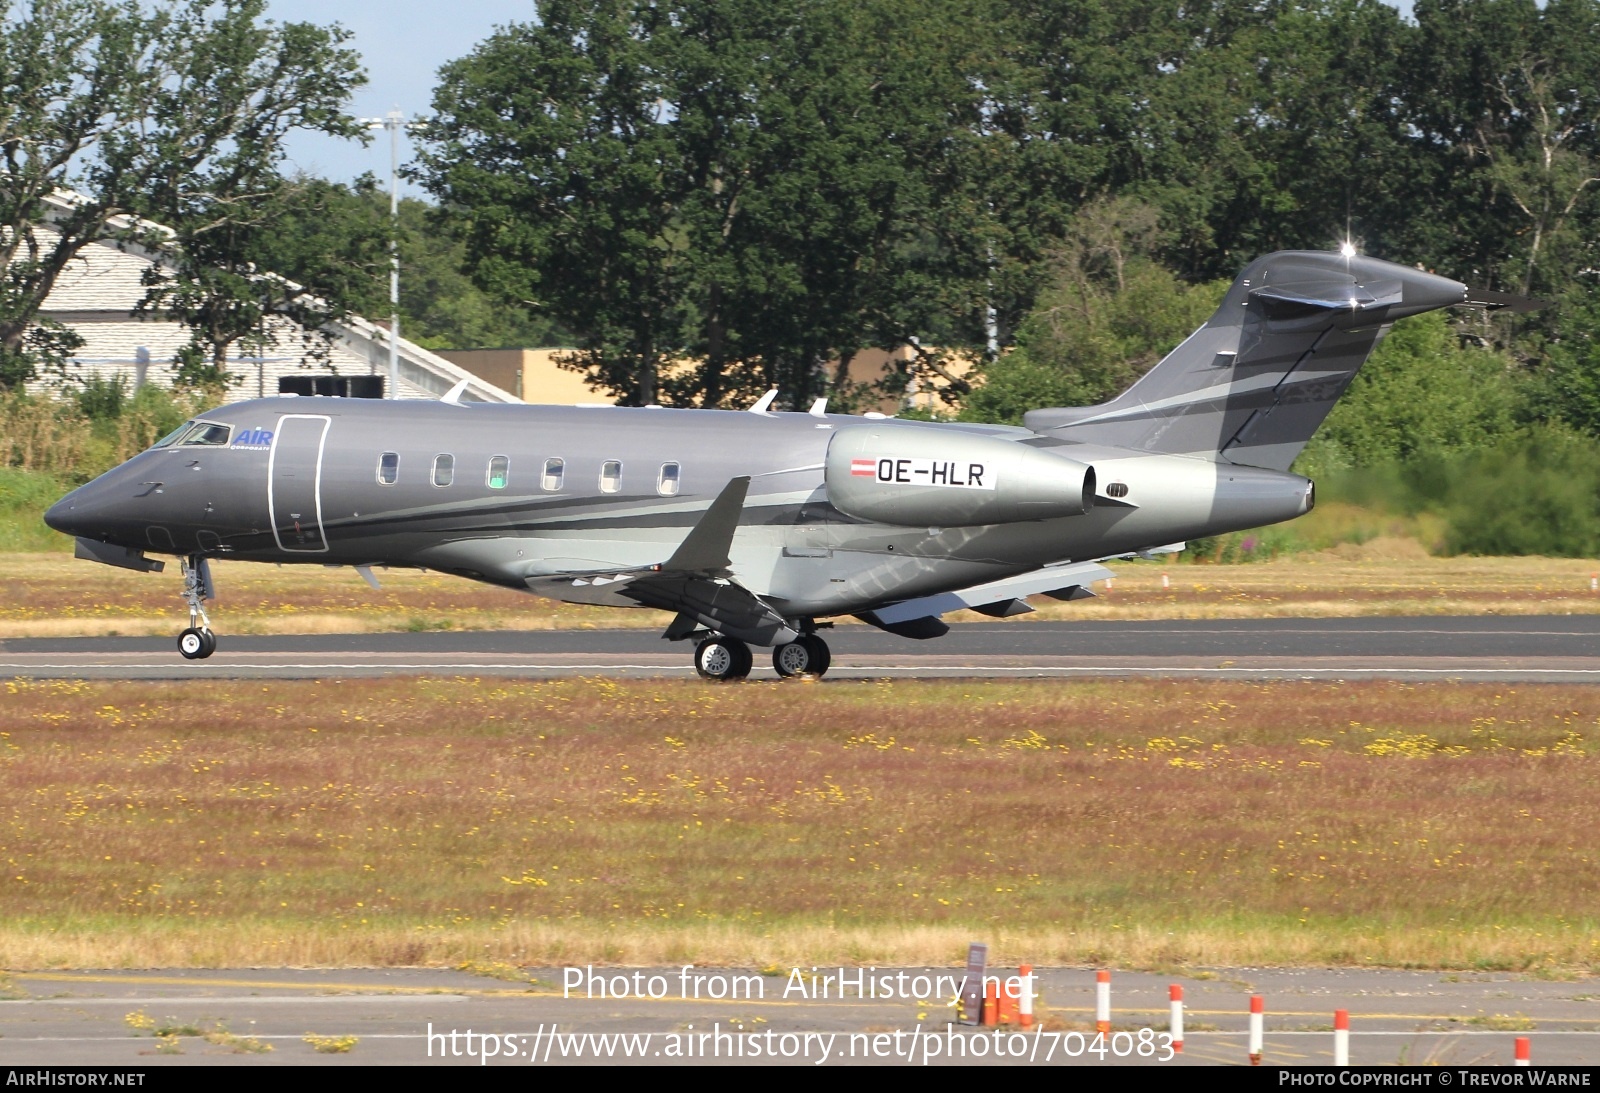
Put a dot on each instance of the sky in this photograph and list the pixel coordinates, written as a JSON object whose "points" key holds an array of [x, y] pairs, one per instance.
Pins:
{"points": [[403, 44]]}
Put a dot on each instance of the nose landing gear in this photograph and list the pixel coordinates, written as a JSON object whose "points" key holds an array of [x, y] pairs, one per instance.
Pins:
{"points": [[197, 641]]}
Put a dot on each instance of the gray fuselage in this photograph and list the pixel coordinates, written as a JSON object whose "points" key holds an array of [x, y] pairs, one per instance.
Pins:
{"points": [[471, 489]]}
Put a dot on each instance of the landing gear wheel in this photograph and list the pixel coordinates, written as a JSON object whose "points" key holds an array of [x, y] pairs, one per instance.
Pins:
{"points": [[196, 644], [723, 658], [820, 656], [805, 656]]}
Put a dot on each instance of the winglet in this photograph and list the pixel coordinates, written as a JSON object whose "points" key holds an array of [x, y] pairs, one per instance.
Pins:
{"points": [[455, 393], [764, 403], [705, 548]]}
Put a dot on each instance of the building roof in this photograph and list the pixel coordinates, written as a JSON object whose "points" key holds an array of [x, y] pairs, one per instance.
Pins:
{"points": [[97, 294]]}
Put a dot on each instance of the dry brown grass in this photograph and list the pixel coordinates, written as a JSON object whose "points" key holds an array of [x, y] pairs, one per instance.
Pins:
{"points": [[1142, 823], [48, 595]]}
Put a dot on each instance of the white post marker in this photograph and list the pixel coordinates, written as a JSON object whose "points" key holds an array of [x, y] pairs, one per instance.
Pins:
{"points": [[1102, 1002], [1341, 1037], [1175, 1022], [1025, 1002], [1524, 1051], [1258, 1009], [1166, 582]]}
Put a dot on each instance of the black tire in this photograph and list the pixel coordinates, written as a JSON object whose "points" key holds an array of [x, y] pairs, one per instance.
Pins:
{"points": [[820, 655], [747, 659], [804, 657], [195, 644], [722, 659], [211, 643]]}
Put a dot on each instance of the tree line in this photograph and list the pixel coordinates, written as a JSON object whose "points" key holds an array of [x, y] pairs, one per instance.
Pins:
{"points": [[705, 198]]}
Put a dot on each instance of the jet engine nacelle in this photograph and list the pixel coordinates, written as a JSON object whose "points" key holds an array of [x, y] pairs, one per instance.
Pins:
{"points": [[914, 477]]}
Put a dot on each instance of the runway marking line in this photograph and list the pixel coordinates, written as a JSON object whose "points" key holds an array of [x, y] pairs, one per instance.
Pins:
{"points": [[353, 990], [371, 992], [975, 1030], [218, 669]]}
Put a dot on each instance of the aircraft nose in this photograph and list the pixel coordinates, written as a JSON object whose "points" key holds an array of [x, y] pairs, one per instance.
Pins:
{"points": [[95, 510], [63, 516]]}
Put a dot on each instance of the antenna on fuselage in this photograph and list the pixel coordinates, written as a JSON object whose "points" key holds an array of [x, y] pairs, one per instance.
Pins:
{"points": [[764, 403], [819, 408], [455, 393]]}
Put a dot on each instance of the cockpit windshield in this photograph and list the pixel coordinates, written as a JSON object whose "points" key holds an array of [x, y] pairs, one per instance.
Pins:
{"points": [[172, 437], [210, 433]]}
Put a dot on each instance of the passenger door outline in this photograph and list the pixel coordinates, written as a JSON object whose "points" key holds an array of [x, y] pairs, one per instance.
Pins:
{"points": [[277, 494]]}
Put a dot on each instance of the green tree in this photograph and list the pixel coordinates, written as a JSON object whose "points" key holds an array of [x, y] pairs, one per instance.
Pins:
{"points": [[756, 187], [296, 249], [552, 139], [1421, 394], [1503, 99], [174, 114], [1108, 314]]}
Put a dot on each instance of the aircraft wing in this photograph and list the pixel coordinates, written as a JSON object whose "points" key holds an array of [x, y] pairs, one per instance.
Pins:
{"points": [[919, 618], [694, 582]]}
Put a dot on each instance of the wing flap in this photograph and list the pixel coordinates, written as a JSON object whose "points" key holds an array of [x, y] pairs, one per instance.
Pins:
{"points": [[1051, 579]]}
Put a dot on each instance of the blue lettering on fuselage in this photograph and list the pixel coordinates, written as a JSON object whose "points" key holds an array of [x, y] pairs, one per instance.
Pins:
{"points": [[253, 438]]}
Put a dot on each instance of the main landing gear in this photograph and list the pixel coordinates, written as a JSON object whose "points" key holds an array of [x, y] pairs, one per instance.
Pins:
{"points": [[805, 656], [197, 641], [724, 658]]}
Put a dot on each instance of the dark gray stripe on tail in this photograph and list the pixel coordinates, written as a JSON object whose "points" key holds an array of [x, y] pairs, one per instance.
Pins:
{"points": [[1254, 383]]}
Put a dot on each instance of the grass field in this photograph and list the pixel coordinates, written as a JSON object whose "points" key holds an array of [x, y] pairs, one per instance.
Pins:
{"points": [[52, 595], [1152, 824]]}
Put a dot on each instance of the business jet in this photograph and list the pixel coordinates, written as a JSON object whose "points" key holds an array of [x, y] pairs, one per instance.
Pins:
{"points": [[755, 527]]}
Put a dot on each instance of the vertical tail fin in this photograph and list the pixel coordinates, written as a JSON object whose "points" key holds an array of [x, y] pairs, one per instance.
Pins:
{"points": [[1254, 383]]}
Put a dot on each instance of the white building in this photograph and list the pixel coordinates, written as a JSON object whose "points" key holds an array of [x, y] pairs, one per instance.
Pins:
{"points": [[95, 297]]}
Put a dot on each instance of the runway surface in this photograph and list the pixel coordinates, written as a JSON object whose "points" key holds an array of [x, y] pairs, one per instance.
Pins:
{"points": [[95, 1018], [1550, 649]]}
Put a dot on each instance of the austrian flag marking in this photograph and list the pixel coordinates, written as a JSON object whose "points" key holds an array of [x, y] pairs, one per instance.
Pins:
{"points": [[864, 468]]}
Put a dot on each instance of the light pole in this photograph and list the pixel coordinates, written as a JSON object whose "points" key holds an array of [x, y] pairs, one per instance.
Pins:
{"points": [[393, 121]]}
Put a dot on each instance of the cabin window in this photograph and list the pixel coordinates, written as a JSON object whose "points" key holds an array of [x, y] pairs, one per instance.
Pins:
{"points": [[667, 480], [499, 471], [208, 433], [610, 476], [554, 471], [389, 468], [444, 469]]}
